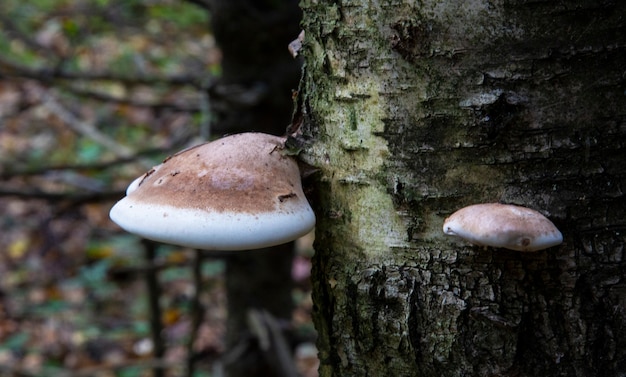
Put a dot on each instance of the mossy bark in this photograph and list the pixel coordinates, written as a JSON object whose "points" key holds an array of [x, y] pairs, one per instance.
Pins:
{"points": [[414, 109]]}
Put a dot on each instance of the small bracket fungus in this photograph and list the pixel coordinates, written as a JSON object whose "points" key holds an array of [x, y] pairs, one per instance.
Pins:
{"points": [[503, 225], [236, 193]]}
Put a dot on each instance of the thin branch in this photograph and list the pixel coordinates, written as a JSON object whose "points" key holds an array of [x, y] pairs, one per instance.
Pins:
{"points": [[18, 371], [7, 172], [48, 74], [131, 102], [75, 197], [272, 342], [13, 31], [197, 311], [154, 294], [84, 128]]}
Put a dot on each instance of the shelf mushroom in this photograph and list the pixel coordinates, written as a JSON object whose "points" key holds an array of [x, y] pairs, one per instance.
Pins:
{"points": [[236, 193], [503, 225]]}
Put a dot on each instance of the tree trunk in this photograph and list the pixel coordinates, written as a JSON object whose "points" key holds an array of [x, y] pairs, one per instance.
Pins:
{"points": [[254, 94], [414, 109]]}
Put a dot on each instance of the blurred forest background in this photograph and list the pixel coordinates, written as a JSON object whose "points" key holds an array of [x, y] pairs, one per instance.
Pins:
{"points": [[92, 94]]}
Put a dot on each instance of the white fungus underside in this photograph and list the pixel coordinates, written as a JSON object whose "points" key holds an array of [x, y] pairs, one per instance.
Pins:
{"points": [[212, 230], [512, 240]]}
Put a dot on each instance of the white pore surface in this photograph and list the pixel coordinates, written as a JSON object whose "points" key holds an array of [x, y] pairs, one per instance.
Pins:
{"points": [[207, 230]]}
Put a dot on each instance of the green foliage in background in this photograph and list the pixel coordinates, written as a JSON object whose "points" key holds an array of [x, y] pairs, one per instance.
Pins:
{"points": [[93, 93]]}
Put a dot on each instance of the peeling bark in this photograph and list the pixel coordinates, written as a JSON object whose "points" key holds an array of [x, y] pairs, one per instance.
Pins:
{"points": [[415, 109]]}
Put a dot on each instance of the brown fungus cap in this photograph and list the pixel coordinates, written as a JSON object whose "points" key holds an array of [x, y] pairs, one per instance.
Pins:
{"points": [[503, 225], [236, 193]]}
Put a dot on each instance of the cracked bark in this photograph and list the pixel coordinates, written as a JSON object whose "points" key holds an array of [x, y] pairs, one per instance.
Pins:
{"points": [[415, 109]]}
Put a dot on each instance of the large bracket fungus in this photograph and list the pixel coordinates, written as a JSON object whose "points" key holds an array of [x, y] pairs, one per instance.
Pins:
{"points": [[236, 193], [503, 225]]}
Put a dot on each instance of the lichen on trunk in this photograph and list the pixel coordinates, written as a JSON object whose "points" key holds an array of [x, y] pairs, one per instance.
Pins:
{"points": [[415, 109]]}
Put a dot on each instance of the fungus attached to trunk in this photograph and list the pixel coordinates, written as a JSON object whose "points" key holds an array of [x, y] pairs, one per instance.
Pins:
{"points": [[236, 193], [503, 225]]}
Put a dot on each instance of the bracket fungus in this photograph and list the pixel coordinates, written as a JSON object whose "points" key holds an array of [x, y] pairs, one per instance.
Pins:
{"points": [[240, 192], [503, 225]]}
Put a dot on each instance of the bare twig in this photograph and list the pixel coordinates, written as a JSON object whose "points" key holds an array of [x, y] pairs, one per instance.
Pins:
{"points": [[266, 334], [84, 128], [271, 339], [7, 171], [74, 196], [156, 105], [49, 74], [18, 371], [197, 311], [154, 294], [14, 31]]}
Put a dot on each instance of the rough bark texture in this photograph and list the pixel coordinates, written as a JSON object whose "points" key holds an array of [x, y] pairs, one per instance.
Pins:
{"points": [[254, 94], [418, 108]]}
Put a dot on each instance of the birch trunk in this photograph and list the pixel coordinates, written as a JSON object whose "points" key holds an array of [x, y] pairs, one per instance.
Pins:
{"points": [[414, 109]]}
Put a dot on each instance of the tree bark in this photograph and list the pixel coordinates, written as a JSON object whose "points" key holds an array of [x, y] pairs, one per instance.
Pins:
{"points": [[414, 109]]}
